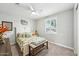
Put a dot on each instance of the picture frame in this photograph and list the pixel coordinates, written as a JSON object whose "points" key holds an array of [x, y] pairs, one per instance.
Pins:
{"points": [[23, 22], [0, 26], [8, 24]]}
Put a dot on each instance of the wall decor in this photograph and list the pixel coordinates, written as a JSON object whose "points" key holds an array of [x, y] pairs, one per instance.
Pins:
{"points": [[8, 24], [0, 26], [23, 22], [50, 25]]}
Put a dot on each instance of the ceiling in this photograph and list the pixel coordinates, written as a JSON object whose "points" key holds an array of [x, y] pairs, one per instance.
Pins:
{"points": [[43, 9]]}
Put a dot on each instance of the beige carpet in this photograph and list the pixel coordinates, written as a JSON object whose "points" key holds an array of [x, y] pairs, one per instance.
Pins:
{"points": [[53, 50]]}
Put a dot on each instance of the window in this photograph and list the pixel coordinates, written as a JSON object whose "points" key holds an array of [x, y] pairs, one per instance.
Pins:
{"points": [[50, 25]]}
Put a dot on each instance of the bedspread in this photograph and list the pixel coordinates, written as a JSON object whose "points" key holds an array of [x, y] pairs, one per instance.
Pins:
{"points": [[24, 43]]}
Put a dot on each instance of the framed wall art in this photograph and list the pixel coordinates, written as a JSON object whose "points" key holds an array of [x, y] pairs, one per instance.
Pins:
{"points": [[0, 26], [8, 24], [23, 22]]}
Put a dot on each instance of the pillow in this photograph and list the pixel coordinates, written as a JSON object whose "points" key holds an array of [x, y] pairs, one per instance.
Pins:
{"points": [[20, 35], [27, 35], [24, 35]]}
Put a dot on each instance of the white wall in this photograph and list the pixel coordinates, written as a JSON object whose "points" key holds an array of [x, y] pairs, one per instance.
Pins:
{"points": [[78, 31], [17, 24], [75, 30], [64, 33]]}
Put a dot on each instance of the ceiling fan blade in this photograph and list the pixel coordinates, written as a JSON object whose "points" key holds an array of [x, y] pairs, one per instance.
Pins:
{"points": [[31, 8], [23, 6], [28, 7]]}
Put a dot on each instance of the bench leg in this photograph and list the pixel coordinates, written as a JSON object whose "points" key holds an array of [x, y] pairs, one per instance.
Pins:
{"points": [[29, 51], [47, 44]]}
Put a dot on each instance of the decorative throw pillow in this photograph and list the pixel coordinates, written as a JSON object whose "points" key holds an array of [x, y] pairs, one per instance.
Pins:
{"points": [[27, 35], [18, 35]]}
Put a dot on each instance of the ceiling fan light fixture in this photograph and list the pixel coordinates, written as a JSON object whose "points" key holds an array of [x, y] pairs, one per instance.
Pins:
{"points": [[34, 13]]}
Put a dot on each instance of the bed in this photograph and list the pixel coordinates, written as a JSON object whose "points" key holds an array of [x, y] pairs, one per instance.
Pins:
{"points": [[24, 39]]}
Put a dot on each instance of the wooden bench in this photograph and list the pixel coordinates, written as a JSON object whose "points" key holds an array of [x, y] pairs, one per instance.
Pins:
{"points": [[34, 49]]}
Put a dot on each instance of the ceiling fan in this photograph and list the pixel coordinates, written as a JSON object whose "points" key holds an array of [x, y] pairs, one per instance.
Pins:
{"points": [[29, 7]]}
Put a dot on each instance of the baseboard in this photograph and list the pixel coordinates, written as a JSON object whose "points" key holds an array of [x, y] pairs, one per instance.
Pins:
{"points": [[56, 44], [62, 45]]}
